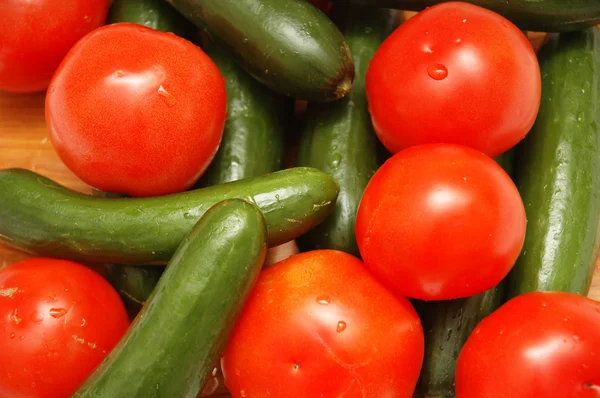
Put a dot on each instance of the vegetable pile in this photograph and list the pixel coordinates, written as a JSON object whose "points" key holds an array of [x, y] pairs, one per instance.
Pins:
{"points": [[441, 181]]}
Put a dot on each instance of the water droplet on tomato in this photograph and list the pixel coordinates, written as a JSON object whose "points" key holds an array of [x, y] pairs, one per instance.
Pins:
{"points": [[437, 71], [237, 372], [427, 49], [544, 304], [12, 335], [341, 326], [21, 337], [166, 96], [464, 20], [66, 289], [82, 322], [52, 89], [242, 393], [566, 319], [576, 338], [87, 18], [58, 312], [323, 299], [458, 41]]}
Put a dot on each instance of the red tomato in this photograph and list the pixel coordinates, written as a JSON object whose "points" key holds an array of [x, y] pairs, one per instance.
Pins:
{"points": [[59, 320], [318, 325], [454, 73], [136, 111], [36, 35], [535, 345], [439, 222]]}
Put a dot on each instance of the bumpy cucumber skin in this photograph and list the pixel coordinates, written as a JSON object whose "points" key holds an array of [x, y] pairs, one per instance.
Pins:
{"points": [[41, 217], [155, 14], [289, 46], [254, 134], [535, 15], [448, 324], [558, 171], [171, 347], [338, 137]]}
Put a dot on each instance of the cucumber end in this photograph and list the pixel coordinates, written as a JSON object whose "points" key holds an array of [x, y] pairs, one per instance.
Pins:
{"points": [[343, 88]]}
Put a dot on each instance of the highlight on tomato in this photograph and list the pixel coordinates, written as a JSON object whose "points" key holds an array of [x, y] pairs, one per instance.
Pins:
{"points": [[318, 324], [136, 111], [37, 34], [543, 344], [454, 73], [439, 222], [58, 321]]}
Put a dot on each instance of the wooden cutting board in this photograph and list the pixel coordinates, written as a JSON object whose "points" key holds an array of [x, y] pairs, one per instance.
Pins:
{"points": [[24, 142]]}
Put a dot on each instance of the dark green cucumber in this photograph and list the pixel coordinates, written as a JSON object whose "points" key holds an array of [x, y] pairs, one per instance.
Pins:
{"points": [[289, 46], [41, 217], [254, 134], [171, 347], [448, 324], [155, 14], [338, 137], [536, 15], [134, 283], [558, 170]]}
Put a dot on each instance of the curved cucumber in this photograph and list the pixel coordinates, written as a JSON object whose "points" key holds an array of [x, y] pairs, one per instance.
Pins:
{"points": [[289, 46], [155, 14], [338, 137], [254, 134], [171, 347], [558, 170], [536, 15], [448, 324], [39, 216]]}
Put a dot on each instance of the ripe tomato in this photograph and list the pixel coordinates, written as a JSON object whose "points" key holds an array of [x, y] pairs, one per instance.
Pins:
{"points": [[58, 320], [439, 222], [454, 73], [36, 35], [318, 325], [535, 345], [136, 111]]}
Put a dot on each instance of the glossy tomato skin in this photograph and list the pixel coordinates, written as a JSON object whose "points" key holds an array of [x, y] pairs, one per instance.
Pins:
{"points": [[439, 222], [136, 111], [318, 325], [536, 345], [454, 73], [37, 34], [58, 320]]}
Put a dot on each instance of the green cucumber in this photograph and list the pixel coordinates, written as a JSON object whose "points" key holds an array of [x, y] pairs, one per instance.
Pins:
{"points": [[44, 218], [171, 347], [338, 137], [289, 46], [155, 14], [558, 170], [447, 325], [536, 15], [254, 134], [134, 283]]}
